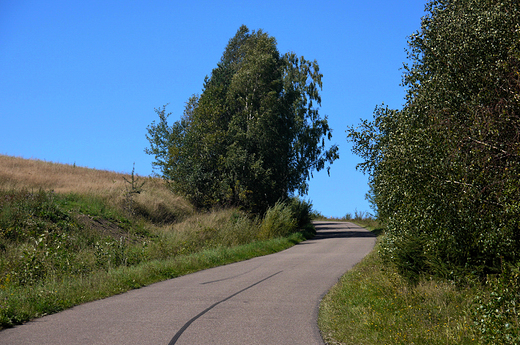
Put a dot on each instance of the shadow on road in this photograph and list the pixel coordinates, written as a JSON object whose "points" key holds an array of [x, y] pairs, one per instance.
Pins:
{"points": [[340, 230], [342, 234]]}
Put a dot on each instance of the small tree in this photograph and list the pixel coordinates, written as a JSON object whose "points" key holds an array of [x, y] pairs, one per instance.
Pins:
{"points": [[134, 187]]}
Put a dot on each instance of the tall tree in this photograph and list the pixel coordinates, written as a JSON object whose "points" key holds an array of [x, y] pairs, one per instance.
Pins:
{"points": [[445, 168], [254, 135]]}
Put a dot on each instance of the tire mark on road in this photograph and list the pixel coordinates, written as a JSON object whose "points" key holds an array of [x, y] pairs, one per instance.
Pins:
{"points": [[238, 275], [187, 324]]}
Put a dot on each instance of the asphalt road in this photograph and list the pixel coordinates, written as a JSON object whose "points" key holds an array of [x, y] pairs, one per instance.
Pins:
{"points": [[272, 299]]}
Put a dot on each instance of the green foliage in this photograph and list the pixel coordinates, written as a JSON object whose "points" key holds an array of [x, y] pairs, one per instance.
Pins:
{"points": [[111, 253], [61, 250], [497, 312], [253, 136], [373, 304], [41, 237], [25, 214], [301, 211], [444, 169], [278, 222]]}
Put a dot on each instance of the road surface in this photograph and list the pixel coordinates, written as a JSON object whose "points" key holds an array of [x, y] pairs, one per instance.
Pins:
{"points": [[272, 299]]}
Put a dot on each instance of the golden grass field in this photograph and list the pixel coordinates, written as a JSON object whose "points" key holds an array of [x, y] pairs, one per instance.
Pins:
{"points": [[18, 173], [32, 174]]}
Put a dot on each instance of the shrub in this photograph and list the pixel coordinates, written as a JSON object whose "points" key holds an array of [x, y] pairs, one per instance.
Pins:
{"points": [[25, 214], [497, 309], [301, 210], [278, 221]]}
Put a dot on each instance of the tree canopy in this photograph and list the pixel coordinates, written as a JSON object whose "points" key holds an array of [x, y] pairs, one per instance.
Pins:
{"points": [[253, 136], [445, 169]]}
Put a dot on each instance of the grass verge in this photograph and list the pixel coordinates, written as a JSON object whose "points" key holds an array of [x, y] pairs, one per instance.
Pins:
{"points": [[19, 304], [373, 304]]}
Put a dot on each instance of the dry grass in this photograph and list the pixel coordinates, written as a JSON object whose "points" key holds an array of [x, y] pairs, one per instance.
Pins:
{"points": [[19, 173]]}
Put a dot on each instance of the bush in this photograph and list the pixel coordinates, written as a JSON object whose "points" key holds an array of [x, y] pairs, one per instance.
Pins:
{"points": [[24, 214], [497, 309], [278, 222], [301, 211], [410, 260]]}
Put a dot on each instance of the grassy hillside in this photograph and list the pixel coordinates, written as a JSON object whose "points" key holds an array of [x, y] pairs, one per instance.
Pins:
{"points": [[69, 235], [155, 199]]}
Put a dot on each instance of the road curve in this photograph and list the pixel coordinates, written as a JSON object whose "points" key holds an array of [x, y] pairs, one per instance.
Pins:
{"points": [[272, 299]]}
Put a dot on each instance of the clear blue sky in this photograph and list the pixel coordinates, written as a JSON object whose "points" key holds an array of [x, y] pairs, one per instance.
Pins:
{"points": [[79, 80]]}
